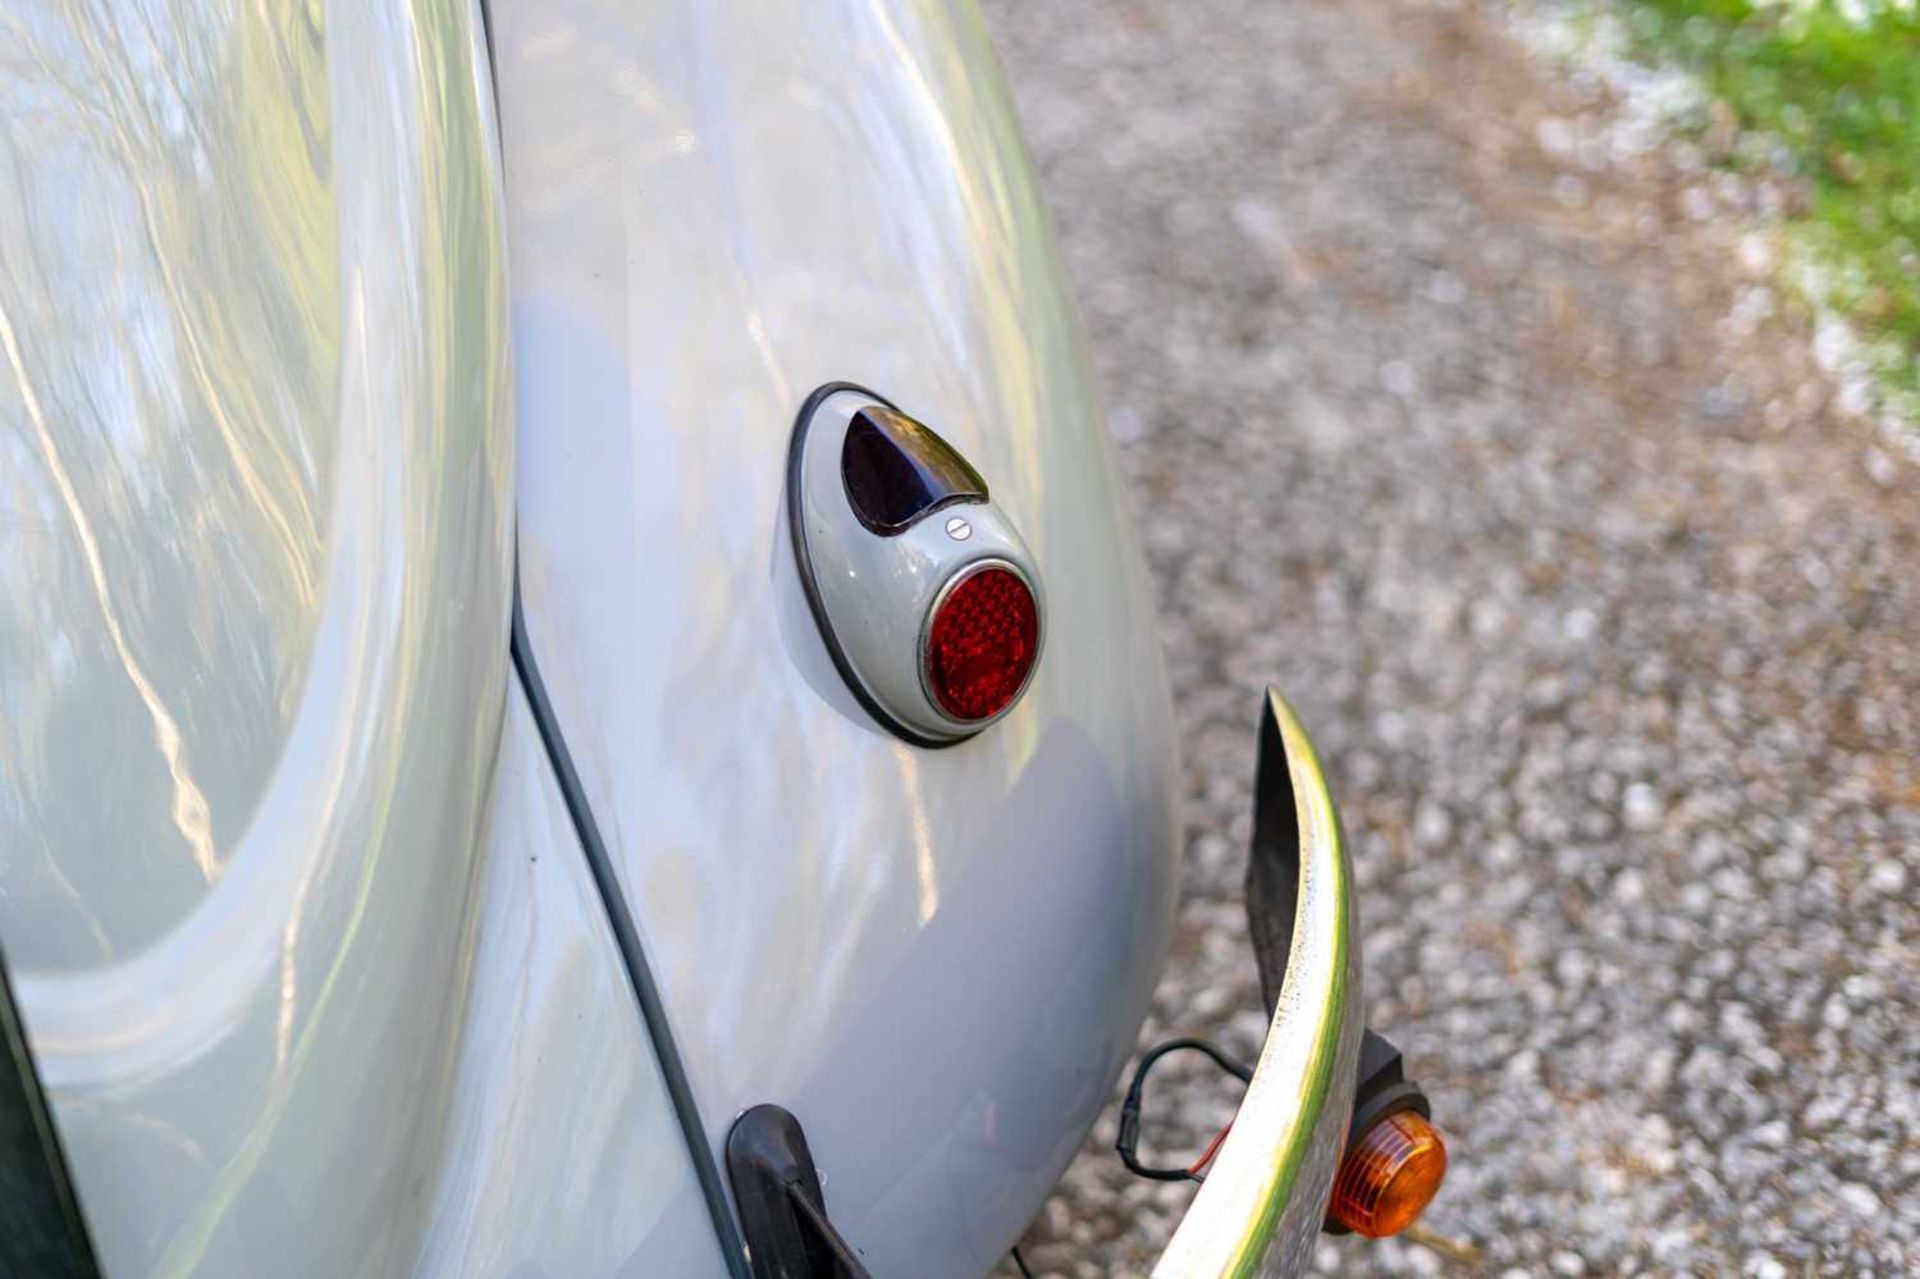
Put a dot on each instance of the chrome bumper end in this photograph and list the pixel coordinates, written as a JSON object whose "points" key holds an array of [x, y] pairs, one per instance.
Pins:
{"points": [[1265, 1196]]}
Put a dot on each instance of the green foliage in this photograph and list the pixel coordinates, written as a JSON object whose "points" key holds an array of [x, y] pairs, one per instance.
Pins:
{"points": [[1839, 85]]}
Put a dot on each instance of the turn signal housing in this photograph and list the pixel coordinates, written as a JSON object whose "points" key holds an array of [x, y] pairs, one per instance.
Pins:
{"points": [[1389, 1176]]}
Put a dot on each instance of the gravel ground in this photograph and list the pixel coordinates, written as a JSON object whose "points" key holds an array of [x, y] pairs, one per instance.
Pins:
{"points": [[1603, 616]]}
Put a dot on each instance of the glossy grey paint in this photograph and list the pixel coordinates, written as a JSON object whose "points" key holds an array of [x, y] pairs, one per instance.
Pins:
{"points": [[254, 575], [170, 423], [937, 960], [564, 1158]]}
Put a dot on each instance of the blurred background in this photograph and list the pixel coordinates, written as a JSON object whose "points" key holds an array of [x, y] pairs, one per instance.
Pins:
{"points": [[1528, 391]]}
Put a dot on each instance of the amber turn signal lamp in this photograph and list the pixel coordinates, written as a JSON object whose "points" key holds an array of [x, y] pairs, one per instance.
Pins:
{"points": [[1389, 1176]]}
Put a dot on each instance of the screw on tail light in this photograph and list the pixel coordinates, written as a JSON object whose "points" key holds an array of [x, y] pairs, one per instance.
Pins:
{"points": [[924, 595]]}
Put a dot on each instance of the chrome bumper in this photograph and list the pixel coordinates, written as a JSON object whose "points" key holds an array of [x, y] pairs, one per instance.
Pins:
{"points": [[1265, 1197]]}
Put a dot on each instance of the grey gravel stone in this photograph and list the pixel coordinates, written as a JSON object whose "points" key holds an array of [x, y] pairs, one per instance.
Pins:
{"points": [[1603, 614]]}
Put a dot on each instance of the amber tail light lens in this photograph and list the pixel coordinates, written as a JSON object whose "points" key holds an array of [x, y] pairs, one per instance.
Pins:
{"points": [[981, 644], [1389, 1176]]}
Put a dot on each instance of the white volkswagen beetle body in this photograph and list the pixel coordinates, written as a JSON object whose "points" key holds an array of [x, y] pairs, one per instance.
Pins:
{"points": [[430, 814]]}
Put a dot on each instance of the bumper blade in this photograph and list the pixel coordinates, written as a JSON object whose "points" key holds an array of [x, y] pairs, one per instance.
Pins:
{"points": [[1265, 1198]]}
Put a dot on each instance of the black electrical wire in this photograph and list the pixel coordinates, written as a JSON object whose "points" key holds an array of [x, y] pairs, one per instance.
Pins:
{"points": [[1128, 1142], [1021, 1262]]}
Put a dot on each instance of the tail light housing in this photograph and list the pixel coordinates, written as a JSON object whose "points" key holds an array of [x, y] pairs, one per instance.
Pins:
{"points": [[924, 594]]}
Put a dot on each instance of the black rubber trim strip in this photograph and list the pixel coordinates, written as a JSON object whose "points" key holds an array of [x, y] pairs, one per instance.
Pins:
{"points": [[652, 1011], [803, 561], [42, 1231]]}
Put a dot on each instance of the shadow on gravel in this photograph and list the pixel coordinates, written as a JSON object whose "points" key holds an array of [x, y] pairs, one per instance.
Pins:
{"points": [[1502, 465]]}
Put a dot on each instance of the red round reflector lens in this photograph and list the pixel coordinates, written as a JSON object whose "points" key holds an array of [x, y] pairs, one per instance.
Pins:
{"points": [[982, 643]]}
